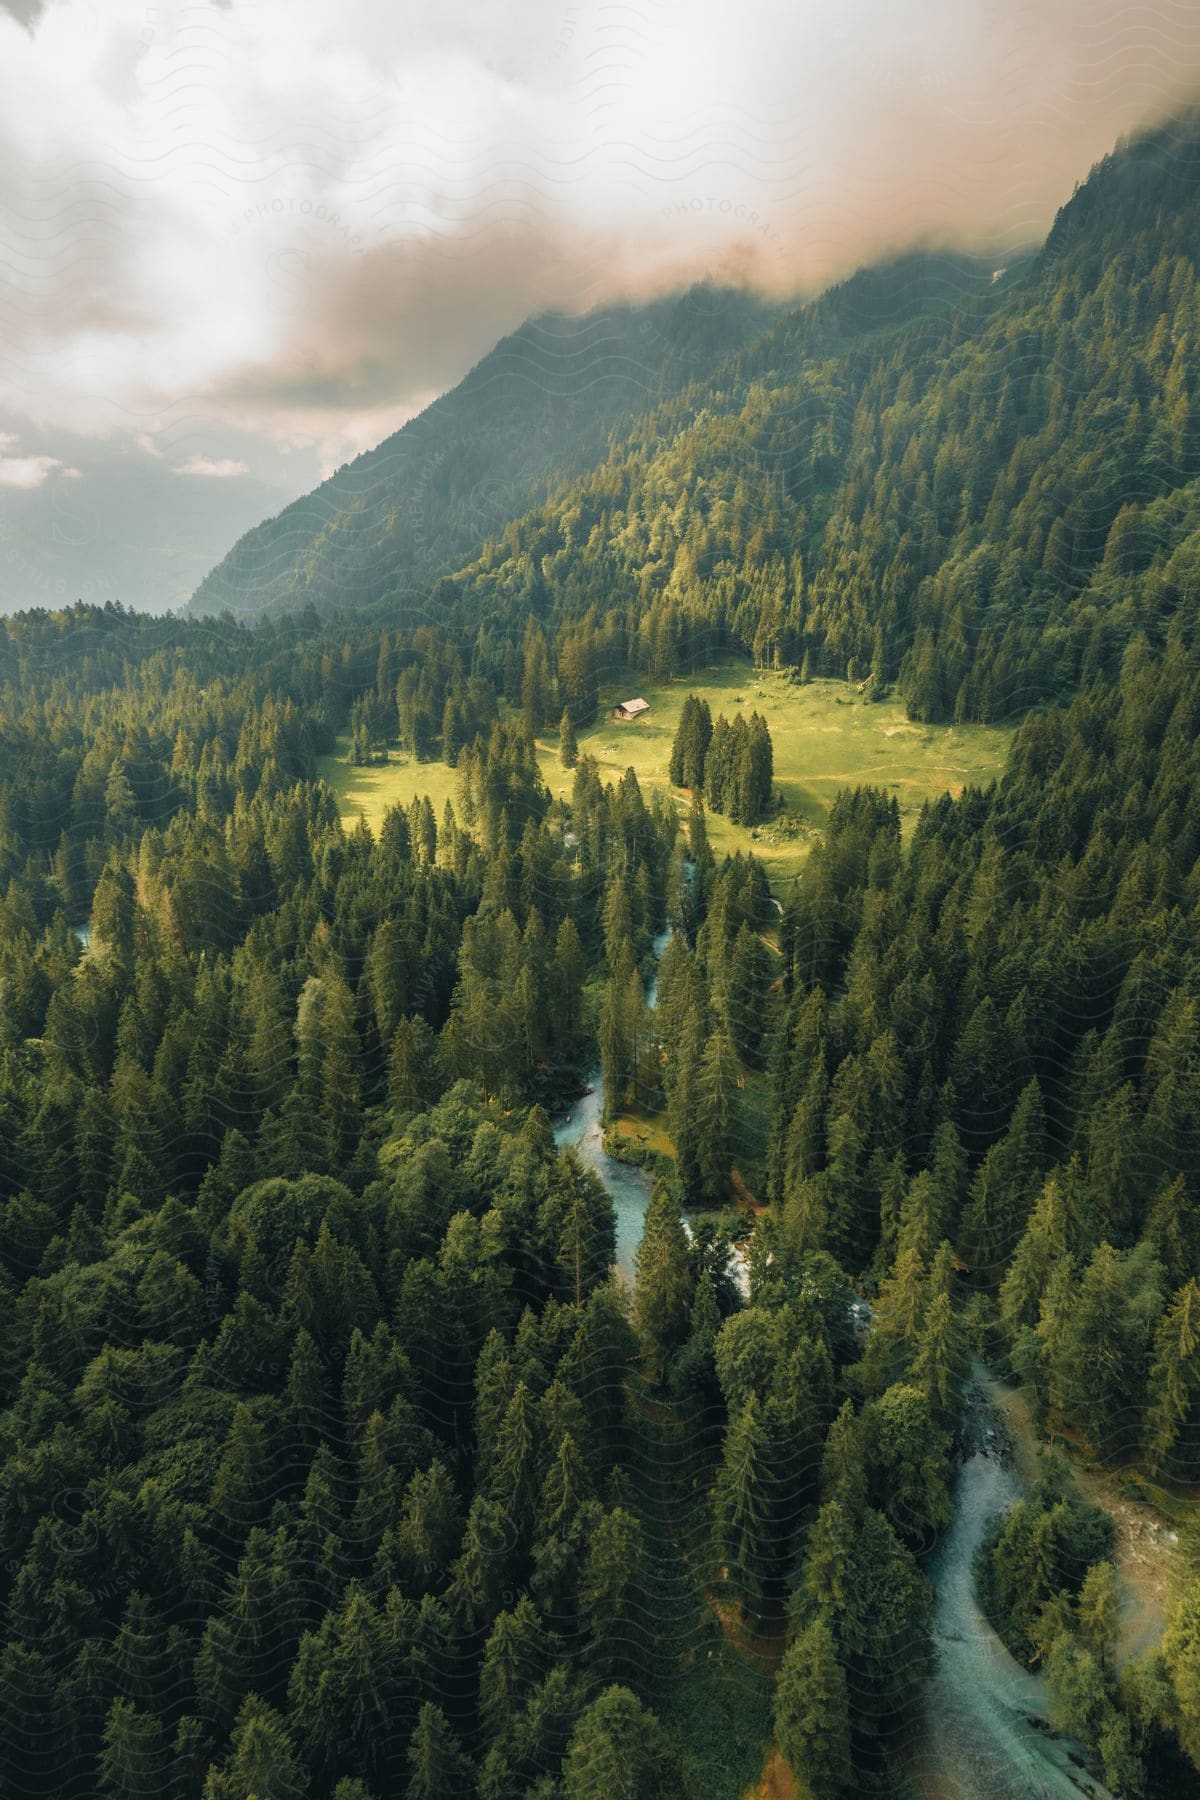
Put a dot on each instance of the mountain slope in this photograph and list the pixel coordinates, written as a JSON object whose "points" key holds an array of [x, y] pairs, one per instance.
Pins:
{"points": [[537, 408], [986, 501], [978, 484]]}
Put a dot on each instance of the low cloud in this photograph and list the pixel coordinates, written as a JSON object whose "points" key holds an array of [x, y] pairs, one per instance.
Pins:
{"points": [[272, 215], [280, 229], [25, 12], [30, 471], [212, 468]]}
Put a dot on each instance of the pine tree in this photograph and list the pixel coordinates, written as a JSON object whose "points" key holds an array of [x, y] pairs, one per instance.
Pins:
{"points": [[570, 964], [745, 995], [429, 1530], [909, 1460], [690, 747], [1096, 1336], [618, 1748], [1174, 1385], [437, 1767], [1181, 1656], [611, 1599], [698, 846], [412, 1066], [563, 1490], [622, 1029], [741, 1507], [812, 1715], [942, 1360], [1044, 1246], [715, 1124], [514, 1468], [120, 803], [1004, 1189], [896, 1323], [134, 1758], [1173, 1228], [515, 1660], [535, 683], [664, 1281], [307, 1403], [844, 1462], [481, 1570], [873, 1597], [239, 1492], [1100, 1612], [685, 1056], [262, 1764], [583, 1216]]}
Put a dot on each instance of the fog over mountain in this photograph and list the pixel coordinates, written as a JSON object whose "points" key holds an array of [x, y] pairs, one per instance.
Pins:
{"points": [[244, 242]]}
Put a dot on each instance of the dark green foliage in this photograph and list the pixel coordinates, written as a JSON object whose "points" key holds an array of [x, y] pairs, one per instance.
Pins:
{"points": [[437, 1768], [738, 767], [1042, 1548], [618, 1748], [860, 1582], [1171, 1424], [690, 748], [812, 1713], [568, 748], [665, 1279]]}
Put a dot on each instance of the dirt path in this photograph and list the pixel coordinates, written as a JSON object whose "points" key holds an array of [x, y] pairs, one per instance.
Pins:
{"points": [[778, 1782]]}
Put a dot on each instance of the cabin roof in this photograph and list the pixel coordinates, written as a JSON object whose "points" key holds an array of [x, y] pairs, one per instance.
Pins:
{"points": [[634, 706]]}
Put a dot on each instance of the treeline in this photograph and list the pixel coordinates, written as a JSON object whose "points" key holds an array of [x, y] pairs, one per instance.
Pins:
{"points": [[424, 701], [421, 699], [826, 1472], [687, 1057], [731, 761]]}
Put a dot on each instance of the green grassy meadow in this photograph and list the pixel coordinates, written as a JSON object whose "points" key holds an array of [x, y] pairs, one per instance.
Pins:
{"points": [[825, 735]]}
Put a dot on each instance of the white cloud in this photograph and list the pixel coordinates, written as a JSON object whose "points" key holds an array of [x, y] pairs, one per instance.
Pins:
{"points": [[31, 471], [214, 468]]}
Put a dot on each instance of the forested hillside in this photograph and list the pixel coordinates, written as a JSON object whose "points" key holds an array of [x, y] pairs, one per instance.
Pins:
{"points": [[535, 411], [978, 489], [983, 505]]}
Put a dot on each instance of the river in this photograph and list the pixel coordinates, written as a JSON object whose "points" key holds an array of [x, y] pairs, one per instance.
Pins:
{"points": [[583, 1131], [985, 1734]]}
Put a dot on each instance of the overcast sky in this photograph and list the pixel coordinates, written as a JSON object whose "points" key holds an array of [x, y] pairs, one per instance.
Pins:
{"points": [[243, 240]]}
